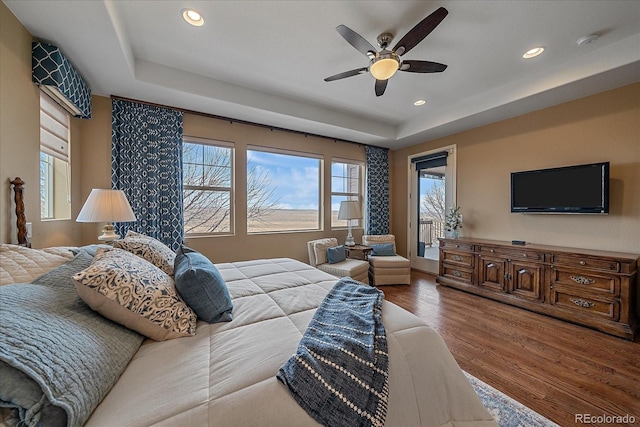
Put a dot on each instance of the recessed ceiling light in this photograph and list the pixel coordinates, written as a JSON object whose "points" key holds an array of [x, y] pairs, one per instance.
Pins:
{"points": [[419, 102], [588, 39], [193, 17], [532, 53]]}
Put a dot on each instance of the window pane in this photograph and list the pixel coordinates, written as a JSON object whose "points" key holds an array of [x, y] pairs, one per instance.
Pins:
{"points": [[207, 181], [337, 184], [46, 182], [191, 153], [207, 211], [345, 185], [192, 174], [283, 192]]}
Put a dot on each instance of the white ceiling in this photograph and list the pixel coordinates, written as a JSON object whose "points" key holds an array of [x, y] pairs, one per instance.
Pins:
{"points": [[265, 61]]}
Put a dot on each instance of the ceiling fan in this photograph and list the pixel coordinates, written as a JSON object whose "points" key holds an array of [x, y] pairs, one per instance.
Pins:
{"points": [[385, 63]]}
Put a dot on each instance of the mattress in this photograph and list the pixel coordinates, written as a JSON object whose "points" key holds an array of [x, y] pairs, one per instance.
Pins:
{"points": [[225, 375]]}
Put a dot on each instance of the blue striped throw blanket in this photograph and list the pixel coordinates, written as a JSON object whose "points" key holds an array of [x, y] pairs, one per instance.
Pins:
{"points": [[339, 374]]}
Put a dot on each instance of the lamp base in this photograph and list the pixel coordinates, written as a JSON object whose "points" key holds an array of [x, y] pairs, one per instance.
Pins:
{"points": [[349, 241], [108, 234]]}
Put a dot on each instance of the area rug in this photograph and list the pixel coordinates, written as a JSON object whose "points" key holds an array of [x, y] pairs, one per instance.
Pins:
{"points": [[506, 411]]}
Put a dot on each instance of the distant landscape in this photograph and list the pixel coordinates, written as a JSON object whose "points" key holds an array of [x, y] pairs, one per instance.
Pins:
{"points": [[287, 220]]}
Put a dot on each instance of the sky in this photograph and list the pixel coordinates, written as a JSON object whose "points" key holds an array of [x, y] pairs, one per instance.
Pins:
{"points": [[295, 178]]}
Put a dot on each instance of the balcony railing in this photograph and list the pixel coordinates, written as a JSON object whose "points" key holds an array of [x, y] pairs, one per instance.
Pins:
{"points": [[430, 231]]}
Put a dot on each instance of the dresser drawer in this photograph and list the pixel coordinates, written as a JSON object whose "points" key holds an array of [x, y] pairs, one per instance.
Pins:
{"points": [[513, 253], [464, 259], [581, 280], [585, 262], [589, 305], [460, 274], [454, 244]]}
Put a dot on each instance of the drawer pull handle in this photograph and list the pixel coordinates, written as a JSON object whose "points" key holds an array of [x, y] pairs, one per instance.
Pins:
{"points": [[457, 273], [491, 265], [582, 303], [582, 280], [522, 271], [457, 258], [492, 250], [583, 263], [525, 255]]}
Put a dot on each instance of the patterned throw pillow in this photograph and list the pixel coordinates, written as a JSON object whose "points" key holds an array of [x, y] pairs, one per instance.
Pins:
{"points": [[135, 293], [153, 250]]}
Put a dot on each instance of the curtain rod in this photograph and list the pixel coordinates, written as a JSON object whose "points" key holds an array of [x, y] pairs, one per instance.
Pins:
{"points": [[231, 120]]}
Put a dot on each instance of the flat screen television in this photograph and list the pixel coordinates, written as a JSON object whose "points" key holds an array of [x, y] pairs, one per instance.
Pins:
{"points": [[569, 189]]}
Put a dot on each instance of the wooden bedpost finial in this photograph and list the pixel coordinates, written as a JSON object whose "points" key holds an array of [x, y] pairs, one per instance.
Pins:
{"points": [[21, 219]]}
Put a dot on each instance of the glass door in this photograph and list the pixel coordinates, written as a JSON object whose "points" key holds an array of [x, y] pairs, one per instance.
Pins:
{"points": [[432, 178]]}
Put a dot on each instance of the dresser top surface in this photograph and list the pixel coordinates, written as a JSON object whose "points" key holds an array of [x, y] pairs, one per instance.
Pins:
{"points": [[622, 256]]}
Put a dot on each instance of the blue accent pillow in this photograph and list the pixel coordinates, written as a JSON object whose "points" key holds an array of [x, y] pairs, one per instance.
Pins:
{"points": [[383, 249], [201, 286], [336, 254]]}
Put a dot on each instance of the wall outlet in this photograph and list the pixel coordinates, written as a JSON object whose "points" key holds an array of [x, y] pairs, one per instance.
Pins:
{"points": [[29, 230]]}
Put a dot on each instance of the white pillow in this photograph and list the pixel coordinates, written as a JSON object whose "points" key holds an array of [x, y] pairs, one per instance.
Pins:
{"points": [[320, 249]]}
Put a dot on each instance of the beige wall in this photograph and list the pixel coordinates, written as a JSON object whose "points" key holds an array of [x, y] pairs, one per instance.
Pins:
{"points": [[20, 141], [603, 127]]}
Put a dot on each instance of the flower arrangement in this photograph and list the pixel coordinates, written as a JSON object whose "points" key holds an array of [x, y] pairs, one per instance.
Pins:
{"points": [[453, 220]]}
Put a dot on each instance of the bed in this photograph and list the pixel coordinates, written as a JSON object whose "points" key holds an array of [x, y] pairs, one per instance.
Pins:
{"points": [[225, 375]]}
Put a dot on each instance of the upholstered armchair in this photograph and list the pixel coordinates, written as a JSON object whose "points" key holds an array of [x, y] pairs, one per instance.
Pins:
{"points": [[327, 255], [386, 267]]}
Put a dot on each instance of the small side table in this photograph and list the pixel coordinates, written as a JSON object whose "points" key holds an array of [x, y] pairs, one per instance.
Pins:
{"points": [[358, 251]]}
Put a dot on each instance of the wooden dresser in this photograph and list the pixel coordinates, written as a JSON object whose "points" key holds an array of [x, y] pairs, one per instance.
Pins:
{"points": [[593, 288]]}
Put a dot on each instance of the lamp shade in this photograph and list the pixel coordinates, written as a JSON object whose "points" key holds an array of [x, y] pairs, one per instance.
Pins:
{"points": [[349, 209], [106, 206]]}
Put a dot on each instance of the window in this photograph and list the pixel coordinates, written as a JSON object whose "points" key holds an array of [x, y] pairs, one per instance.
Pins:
{"points": [[346, 184], [55, 168], [208, 186], [283, 191]]}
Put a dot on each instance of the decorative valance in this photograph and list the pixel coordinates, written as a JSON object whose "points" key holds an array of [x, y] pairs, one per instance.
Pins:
{"points": [[55, 75]]}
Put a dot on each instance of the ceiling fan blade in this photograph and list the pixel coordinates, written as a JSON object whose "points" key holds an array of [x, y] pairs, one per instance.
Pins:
{"points": [[347, 74], [420, 31], [422, 67], [381, 85], [356, 40]]}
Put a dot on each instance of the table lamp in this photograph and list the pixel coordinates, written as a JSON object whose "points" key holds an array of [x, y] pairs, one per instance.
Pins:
{"points": [[349, 209], [106, 206]]}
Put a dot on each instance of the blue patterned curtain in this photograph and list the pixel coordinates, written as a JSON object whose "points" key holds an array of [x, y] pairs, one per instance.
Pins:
{"points": [[377, 191], [146, 163]]}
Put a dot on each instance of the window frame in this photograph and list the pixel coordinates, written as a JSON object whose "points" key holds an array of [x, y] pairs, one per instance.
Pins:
{"points": [[231, 189], [320, 199], [358, 196]]}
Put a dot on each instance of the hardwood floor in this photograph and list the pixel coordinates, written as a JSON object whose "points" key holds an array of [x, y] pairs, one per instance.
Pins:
{"points": [[558, 369]]}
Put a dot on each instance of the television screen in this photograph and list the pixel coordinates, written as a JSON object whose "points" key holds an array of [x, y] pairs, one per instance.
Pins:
{"points": [[570, 189]]}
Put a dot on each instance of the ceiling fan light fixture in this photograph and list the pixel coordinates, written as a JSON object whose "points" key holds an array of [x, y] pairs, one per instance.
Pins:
{"points": [[193, 17], [533, 52], [385, 66]]}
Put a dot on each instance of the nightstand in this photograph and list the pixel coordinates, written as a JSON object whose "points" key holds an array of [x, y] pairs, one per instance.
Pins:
{"points": [[358, 251]]}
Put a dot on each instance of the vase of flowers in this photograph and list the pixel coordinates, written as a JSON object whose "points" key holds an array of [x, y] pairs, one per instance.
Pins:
{"points": [[453, 222]]}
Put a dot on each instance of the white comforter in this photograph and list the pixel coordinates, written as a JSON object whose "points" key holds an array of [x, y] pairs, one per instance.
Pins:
{"points": [[226, 374]]}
